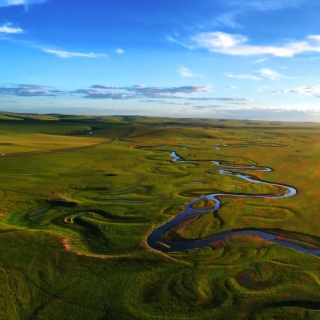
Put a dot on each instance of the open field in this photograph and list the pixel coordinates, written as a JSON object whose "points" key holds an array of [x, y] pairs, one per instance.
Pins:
{"points": [[79, 197]]}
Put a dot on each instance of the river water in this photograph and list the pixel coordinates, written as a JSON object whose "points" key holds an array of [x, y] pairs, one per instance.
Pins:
{"points": [[169, 246]]}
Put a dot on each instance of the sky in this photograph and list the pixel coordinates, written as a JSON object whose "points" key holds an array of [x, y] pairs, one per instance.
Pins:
{"points": [[229, 59]]}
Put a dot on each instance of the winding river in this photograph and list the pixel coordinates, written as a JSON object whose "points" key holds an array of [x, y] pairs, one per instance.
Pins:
{"points": [[156, 241]]}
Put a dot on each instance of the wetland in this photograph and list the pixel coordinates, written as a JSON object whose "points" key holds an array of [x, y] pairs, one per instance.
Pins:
{"points": [[150, 218]]}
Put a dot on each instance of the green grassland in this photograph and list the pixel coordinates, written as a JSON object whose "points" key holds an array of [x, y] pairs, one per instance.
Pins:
{"points": [[80, 195]]}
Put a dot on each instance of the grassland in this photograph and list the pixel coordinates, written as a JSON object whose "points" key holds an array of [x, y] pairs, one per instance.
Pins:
{"points": [[80, 195]]}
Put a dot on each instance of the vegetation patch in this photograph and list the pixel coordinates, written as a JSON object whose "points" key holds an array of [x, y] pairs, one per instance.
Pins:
{"points": [[198, 227], [204, 204], [76, 211]]}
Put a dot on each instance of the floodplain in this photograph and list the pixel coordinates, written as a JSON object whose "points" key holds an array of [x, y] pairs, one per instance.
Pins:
{"points": [[81, 197]]}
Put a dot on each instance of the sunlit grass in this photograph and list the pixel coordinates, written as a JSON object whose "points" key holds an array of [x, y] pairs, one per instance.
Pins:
{"points": [[86, 257]]}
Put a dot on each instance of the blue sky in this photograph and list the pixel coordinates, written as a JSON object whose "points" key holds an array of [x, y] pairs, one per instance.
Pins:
{"points": [[242, 59]]}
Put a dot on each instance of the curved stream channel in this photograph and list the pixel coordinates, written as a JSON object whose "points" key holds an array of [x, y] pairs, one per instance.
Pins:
{"points": [[169, 246]]}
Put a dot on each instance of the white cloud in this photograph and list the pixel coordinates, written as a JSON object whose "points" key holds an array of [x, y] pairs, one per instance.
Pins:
{"points": [[236, 44], [29, 90], [227, 19], [271, 74], [152, 101], [68, 54], [266, 5], [180, 103], [101, 94], [119, 51], [260, 60], [240, 7], [262, 89], [187, 73], [155, 94], [225, 99], [208, 107], [180, 42], [231, 87], [7, 28], [59, 53], [9, 3], [240, 103], [141, 91], [313, 91], [160, 91], [243, 76], [219, 40]]}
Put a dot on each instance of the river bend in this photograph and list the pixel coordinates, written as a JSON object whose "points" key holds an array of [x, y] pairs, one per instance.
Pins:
{"points": [[169, 246]]}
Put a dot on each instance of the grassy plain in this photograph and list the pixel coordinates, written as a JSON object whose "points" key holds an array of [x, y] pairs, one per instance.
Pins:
{"points": [[76, 208]]}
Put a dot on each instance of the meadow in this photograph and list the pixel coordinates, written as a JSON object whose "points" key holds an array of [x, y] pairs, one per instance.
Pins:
{"points": [[79, 197]]}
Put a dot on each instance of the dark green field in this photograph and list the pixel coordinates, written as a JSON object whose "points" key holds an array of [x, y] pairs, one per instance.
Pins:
{"points": [[80, 195]]}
